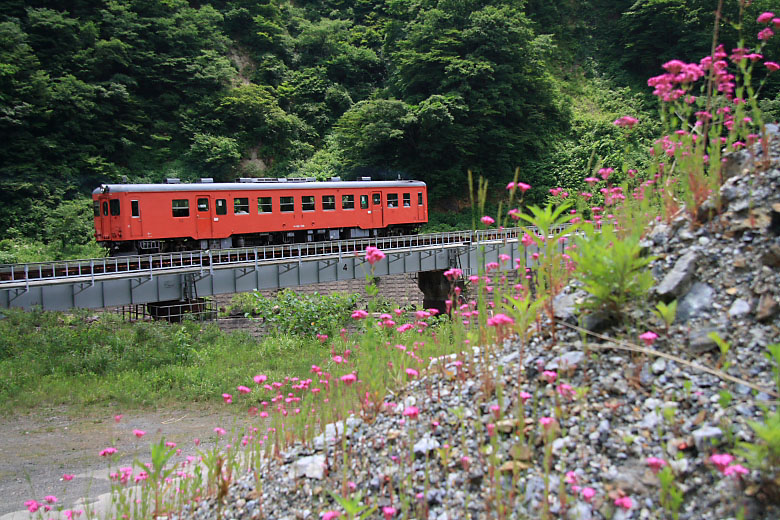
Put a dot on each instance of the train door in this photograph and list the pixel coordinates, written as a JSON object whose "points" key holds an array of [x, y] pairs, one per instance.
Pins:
{"points": [[421, 207], [102, 224], [136, 224], [203, 216], [376, 210]]}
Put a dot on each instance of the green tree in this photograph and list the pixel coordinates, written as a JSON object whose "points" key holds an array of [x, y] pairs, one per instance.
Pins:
{"points": [[486, 56]]}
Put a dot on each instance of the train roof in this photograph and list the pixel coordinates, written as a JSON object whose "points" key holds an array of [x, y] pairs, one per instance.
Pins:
{"points": [[253, 185]]}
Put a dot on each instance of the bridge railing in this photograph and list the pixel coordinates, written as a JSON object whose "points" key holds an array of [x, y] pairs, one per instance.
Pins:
{"points": [[149, 264]]}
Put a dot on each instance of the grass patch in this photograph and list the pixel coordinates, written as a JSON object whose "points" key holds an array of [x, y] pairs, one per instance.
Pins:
{"points": [[54, 359]]}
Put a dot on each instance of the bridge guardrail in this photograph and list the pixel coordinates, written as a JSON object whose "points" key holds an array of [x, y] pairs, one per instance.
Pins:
{"points": [[149, 264]]}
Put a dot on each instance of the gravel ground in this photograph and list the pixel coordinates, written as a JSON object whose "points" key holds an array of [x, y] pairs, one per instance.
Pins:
{"points": [[726, 278]]}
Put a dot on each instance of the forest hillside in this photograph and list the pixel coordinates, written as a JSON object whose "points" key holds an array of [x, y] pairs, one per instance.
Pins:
{"points": [[99, 91]]}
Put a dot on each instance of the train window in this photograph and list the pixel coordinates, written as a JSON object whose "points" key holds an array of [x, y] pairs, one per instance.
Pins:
{"points": [[286, 204], [134, 211], [203, 204], [308, 202], [347, 202], [376, 198], [419, 198], [241, 206], [329, 202], [364, 202], [105, 208], [96, 208], [392, 200], [181, 208], [113, 204], [264, 205], [407, 200], [221, 206]]}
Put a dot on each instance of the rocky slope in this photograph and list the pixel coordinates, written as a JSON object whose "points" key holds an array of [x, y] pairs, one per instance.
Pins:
{"points": [[620, 408]]}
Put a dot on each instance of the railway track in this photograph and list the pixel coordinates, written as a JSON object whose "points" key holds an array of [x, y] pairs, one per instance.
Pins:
{"points": [[14, 274]]}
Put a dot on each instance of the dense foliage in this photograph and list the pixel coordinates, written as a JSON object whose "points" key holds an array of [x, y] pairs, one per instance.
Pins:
{"points": [[94, 91], [303, 314]]}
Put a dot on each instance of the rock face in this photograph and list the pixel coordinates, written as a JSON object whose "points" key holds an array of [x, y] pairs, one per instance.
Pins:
{"points": [[726, 278]]}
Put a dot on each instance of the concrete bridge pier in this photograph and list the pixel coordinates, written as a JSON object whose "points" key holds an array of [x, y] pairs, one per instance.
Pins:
{"points": [[435, 288]]}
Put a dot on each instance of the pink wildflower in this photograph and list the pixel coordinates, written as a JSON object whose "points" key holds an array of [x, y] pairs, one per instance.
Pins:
{"points": [[388, 512], [765, 34], [491, 429], [721, 461], [32, 505], [624, 502], [219, 431], [227, 398], [107, 451], [487, 220], [566, 391], [605, 173], [510, 186], [373, 255], [330, 515], [411, 412], [523, 187], [546, 421], [243, 389], [527, 240], [735, 469], [348, 379], [550, 376], [50, 499], [525, 396], [626, 122], [499, 320], [655, 464], [359, 314], [67, 477], [260, 379], [139, 433], [649, 338], [453, 274], [765, 18], [412, 372], [772, 66], [588, 493], [118, 418]]}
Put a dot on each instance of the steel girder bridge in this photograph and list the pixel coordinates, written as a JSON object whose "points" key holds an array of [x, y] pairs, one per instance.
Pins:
{"points": [[145, 279]]}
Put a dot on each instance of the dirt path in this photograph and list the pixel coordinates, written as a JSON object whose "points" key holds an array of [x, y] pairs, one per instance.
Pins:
{"points": [[39, 447]]}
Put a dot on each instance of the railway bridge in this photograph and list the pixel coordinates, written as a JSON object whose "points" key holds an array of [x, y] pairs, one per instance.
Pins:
{"points": [[169, 277]]}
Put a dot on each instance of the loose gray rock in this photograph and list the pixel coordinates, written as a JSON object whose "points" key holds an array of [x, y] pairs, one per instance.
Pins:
{"points": [[425, 445], [312, 466], [677, 281], [707, 436], [739, 308], [701, 342], [697, 301]]}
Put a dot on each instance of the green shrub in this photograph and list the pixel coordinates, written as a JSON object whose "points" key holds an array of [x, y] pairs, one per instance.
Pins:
{"points": [[611, 269], [303, 314]]}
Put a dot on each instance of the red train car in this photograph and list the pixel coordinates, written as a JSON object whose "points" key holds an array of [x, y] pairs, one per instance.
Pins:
{"points": [[151, 218]]}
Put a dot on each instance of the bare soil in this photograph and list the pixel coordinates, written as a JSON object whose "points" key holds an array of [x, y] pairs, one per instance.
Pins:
{"points": [[37, 448]]}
